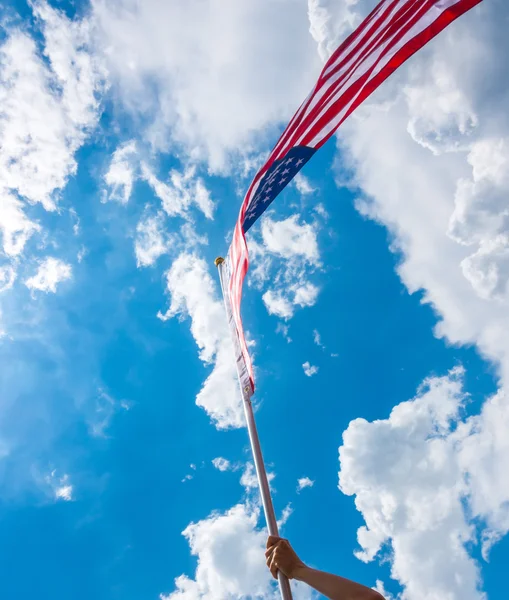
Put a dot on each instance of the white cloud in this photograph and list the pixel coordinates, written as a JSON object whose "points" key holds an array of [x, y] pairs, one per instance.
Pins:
{"points": [[289, 239], [441, 118], [380, 588], [222, 464], [317, 338], [284, 330], [180, 192], [278, 305], [303, 185], [409, 478], [49, 89], [51, 272], [152, 241], [194, 294], [230, 551], [173, 61], [309, 370], [47, 112], [305, 295], [64, 493], [15, 226], [304, 482], [287, 255], [122, 173], [484, 456], [231, 562], [177, 195], [7, 277], [329, 21], [60, 486]]}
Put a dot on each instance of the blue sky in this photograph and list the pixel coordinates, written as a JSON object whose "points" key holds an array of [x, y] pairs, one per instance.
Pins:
{"points": [[129, 134]]}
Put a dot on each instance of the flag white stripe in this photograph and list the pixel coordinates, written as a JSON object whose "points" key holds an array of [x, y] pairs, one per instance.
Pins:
{"points": [[368, 63], [359, 70], [360, 44], [384, 20]]}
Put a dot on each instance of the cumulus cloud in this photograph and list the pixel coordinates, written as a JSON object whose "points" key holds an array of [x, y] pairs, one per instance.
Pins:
{"points": [[441, 116], [231, 563], [412, 494], [304, 482], [173, 61], [50, 273], [309, 370], [230, 551], [194, 294]]}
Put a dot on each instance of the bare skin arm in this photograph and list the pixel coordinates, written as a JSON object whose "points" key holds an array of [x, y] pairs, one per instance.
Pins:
{"points": [[281, 556]]}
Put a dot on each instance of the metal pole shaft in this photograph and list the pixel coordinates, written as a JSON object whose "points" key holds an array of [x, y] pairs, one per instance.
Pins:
{"points": [[261, 473]]}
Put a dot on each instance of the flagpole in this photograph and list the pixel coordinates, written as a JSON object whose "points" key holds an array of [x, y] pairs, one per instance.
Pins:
{"points": [[261, 473]]}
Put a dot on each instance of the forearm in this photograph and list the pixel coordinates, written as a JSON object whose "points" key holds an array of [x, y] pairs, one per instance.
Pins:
{"points": [[335, 587]]}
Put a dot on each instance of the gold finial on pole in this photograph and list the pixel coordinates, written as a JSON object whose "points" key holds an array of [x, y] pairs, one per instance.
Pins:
{"points": [[219, 261]]}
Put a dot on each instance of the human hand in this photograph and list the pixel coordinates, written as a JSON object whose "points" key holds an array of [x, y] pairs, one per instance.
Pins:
{"points": [[282, 557]]}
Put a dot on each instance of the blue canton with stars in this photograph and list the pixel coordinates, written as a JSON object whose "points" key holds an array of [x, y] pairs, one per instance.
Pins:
{"points": [[275, 180]]}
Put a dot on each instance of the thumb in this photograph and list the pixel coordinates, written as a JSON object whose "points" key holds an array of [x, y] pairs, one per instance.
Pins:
{"points": [[272, 540]]}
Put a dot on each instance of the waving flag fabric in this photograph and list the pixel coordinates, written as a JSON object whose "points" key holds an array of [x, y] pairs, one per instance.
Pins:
{"points": [[393, 32]]}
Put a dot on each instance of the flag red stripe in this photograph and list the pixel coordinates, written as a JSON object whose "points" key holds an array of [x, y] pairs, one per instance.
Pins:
{"points": [[406, 52], [392, 36], [324, 78], [318, 122]]}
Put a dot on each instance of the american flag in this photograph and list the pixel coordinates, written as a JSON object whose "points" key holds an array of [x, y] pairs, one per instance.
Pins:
{"points": [[389, 36]]}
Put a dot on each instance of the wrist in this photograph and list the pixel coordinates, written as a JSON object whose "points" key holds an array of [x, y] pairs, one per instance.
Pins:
{"points": [[300, 572]]}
